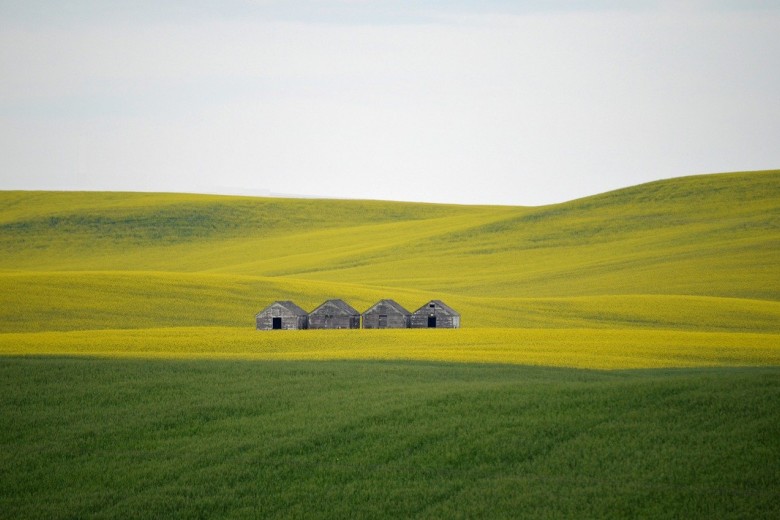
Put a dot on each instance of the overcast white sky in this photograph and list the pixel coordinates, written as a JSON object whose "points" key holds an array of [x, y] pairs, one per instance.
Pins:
{"points": [[465, 101]]}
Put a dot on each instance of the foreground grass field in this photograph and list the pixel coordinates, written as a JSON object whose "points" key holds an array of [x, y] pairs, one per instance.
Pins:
{"points": [[204, 439], [619, 356]]}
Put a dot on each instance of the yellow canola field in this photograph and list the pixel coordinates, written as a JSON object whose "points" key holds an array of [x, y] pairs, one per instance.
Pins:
{"points": [[63, 301], [576, 348], [681, 272]]}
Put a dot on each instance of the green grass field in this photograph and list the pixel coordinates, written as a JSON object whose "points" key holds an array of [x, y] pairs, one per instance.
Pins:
{"points": [[619, 356], [194, 439]]}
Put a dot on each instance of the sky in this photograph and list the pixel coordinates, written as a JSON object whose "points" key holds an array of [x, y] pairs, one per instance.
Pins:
{"points": [[462, 101]]}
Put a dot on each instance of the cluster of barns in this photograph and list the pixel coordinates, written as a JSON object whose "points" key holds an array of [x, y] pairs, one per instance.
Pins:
{"points": [[338, 314]]}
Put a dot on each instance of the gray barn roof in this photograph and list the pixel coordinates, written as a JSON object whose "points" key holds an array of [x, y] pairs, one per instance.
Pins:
{"points": [[290, 306], [390, 303], [341, 305], [439, 304]]}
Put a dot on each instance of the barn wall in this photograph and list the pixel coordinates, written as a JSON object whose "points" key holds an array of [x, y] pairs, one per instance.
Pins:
{"points": [[264, 320], [332, 317], [443, 321], [395, 320], [302, 322], [341, 321]]}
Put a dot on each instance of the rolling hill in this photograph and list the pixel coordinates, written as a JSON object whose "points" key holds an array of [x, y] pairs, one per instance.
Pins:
{"points": [[619, 356], [695, 253]]}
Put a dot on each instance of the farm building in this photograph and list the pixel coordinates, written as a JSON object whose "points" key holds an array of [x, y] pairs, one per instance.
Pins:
{"points": [[435, 315], [334, 314], [386, 314], [282, 315]]}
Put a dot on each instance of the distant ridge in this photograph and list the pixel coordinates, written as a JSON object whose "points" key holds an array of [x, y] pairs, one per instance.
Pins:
{"points": [[698, 253]]}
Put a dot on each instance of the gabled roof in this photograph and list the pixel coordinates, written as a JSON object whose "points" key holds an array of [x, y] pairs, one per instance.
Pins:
{"points": [[441, 305], [341, 305], [290, 306], [390, 303]]}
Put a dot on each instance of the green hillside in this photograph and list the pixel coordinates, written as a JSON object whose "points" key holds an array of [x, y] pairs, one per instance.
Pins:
{"points": [[619, 356], [225, 439], [694, 253]]}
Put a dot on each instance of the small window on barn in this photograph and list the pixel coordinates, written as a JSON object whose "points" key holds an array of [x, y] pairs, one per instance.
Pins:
{"points": [[432, 305]]}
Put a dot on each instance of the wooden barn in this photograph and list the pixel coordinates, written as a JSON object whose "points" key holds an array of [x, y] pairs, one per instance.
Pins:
{"points": [[435, 315], [386, 314], [282, 315], [334, 314]]}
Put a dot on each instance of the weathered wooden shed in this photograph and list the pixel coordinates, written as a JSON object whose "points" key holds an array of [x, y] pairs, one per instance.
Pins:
{"points": [[334, 314], [386, 314], [282, 315], [435, 315]]}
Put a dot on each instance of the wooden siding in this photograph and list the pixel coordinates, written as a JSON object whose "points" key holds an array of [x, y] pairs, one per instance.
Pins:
{"points": [[337, 314], [331, 315], [326, 321], [385, 315], [434, 315], [289, 319]]}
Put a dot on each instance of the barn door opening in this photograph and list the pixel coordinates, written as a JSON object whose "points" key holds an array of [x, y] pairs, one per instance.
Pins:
{"points": [[432, 322], [383, 321], [277, 324]]}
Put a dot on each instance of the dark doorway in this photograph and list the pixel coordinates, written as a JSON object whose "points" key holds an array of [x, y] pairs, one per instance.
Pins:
{"points": [[431, 322], [277, 324], [383, 321]]}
